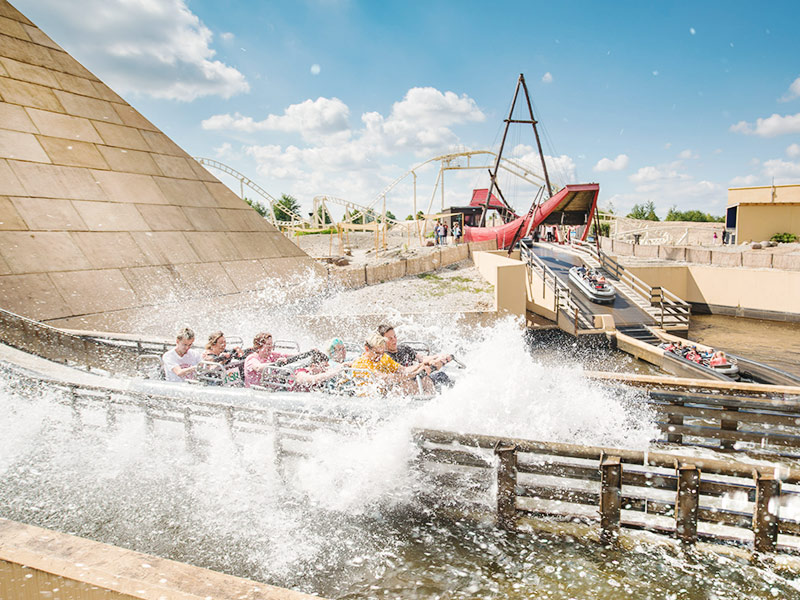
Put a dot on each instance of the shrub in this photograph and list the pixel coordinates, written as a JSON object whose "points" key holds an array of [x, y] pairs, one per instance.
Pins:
{"points": [[784, 237]]}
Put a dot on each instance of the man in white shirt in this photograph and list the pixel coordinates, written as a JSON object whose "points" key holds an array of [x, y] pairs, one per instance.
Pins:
{"points": [[181, 361]]}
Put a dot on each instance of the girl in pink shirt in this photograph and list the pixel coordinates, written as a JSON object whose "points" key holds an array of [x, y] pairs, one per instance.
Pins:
{"points": [[262, 357]]}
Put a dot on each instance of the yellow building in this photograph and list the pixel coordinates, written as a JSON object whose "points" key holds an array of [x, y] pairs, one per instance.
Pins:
{"points": [[757, 213]]}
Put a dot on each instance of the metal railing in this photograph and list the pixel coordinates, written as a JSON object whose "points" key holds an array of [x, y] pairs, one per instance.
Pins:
{"points": [[564, 304], [672, 312]]}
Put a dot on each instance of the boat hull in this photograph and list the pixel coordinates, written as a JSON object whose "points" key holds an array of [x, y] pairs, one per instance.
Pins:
{"points": [[604, 295]]}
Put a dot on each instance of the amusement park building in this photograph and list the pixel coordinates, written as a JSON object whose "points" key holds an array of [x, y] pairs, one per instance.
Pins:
{"points": [[758, 213]]}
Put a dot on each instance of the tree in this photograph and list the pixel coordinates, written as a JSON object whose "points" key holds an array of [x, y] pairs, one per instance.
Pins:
{"points": [[324, 216], [286, 207], [410, 218], [420, 215], [257, 206], [390, 215], [692, 215], [644, 212]]}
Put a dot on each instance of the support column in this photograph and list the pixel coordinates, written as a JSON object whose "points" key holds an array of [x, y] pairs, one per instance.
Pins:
{"points": [[610, 498], [728, 425], [687, 503], [675, 438], [765, 513], [506, 485]]}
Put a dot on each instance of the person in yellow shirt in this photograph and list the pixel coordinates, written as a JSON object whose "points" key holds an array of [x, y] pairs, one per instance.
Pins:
{"points": [[377, 369]]}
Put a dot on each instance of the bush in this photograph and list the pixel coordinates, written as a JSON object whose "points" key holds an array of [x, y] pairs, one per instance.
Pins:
{"points": [[605, 229], [784, 237]]}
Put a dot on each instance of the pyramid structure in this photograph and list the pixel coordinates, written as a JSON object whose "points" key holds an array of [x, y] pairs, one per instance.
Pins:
{"points": [[100, 212]]}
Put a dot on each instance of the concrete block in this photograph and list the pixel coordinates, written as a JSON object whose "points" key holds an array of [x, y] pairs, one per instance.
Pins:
{"points": [[396, 269], [757, 260], [245, 274], [43, 214], [606, 244], [160, 143], [376, 274], [420, 264], [347, 278], [450, 255], [295, 270], [106, 93], [237, 220], [68, 64], [203, 219], [164, 218], [726, 259], [165, 247], [14, 117], [130, 117], [9, 12], [21, 146], [255, 222], [28, 252], [645, 251], [55, 181], [174, 166], [33, 296], [151, 284], [110, 216], [94, 291], [75, 84], [10, 185], [13, 29], [30, 73], [215, 246], [129, 161], [224, 197], [183, 192], [24, 51], [788, 262], [205, 279], [63, 126], [91, 108], [72, 153], [623, 248], [109, 250], [255, 245], [672, 253], [129, 187], [39, 37], [10, 218], [121, 136], [4, 268], [698, 255], [284, 245], [202, 173]]}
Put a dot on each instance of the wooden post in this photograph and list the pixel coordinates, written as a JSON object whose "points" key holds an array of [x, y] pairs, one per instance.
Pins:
{"points": [[765, 513], [506, 484], [728, 425], [687, 503], [576, 322], [610, 498], [675, 438]]}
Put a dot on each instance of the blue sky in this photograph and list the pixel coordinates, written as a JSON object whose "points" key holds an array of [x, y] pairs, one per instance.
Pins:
{"points": [[672, 102]]}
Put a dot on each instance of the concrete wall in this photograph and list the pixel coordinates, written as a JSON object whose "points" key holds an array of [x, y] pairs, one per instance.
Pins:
{"points": [[751, 292], [509, 278], [758, 222], [99, 210]]}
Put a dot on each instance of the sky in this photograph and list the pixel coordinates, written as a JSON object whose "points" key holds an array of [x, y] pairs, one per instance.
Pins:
{"points": [[669, 102]]}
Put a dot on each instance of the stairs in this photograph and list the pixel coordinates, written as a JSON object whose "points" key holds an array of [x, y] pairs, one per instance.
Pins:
{"points": [[641, 333]]}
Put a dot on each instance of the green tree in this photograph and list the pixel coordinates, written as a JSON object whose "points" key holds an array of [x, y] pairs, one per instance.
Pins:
{"points": [[257, 206], [324, 215], [692, 215], [410, 218], [285, 207], [644, 212], [420, 215]]}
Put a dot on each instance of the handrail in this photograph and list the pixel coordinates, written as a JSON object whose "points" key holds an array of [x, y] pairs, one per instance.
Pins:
{"points": [[672, 309], [563, 294]]}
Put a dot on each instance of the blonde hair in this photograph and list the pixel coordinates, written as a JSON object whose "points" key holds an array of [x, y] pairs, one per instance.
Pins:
{"points": [[185, 334], [376, 341], [213, 339]]}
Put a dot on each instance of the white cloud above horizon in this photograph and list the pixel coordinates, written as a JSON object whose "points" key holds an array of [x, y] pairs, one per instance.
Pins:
{"points": [[547, 78], [608, 164], [771, 126], [158, 48], [792, 93], [793, 150]]}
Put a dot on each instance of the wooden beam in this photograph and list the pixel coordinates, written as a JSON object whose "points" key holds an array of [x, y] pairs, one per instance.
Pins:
{"points": [[687, 503], [610, 492], [506, 485], [765, 513]]}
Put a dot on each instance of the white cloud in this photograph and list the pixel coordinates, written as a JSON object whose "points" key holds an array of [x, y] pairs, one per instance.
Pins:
{"points": [[157, 48], [227, 36], [311, 118], [223, 151], [785, 170], [744, 180], [547, 78], [687, 154], [561, 169], [793, 151], [792, 93], [770, 127], [607, 164], [315, 69], [692, 30]]}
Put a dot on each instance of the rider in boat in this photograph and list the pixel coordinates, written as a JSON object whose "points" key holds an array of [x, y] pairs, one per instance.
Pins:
{"points": [[316, 374], [408, 357], [216, 350], [375, 367], [263, 356], [719, 359], [180, 362]]}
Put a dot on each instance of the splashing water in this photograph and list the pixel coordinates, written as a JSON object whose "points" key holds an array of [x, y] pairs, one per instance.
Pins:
{"points": [[348, 518]]}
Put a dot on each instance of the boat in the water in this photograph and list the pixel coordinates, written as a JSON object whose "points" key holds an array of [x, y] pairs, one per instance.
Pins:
{"points": [[593, 285], [704, 357]]}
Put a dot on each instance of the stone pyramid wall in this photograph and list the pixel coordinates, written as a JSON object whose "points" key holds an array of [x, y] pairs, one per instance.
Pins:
{"points": [[99, 210]]}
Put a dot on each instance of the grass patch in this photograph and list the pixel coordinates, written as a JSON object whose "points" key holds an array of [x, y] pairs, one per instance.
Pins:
{"points": [[442, 286]]}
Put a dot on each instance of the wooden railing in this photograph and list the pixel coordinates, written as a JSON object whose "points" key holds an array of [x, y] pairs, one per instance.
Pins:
{"points": [[564, 303], [673, 312], [685, 496]]}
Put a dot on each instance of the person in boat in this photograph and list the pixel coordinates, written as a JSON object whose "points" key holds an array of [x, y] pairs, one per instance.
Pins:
{"points": [[180, 363], [408, 357], [258, 360], [316, 374], [718, 359], [336, 350], [216, 350], [376, 368]]}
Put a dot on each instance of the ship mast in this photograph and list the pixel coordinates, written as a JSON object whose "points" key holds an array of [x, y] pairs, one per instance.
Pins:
{"points": [[493, 172]]}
